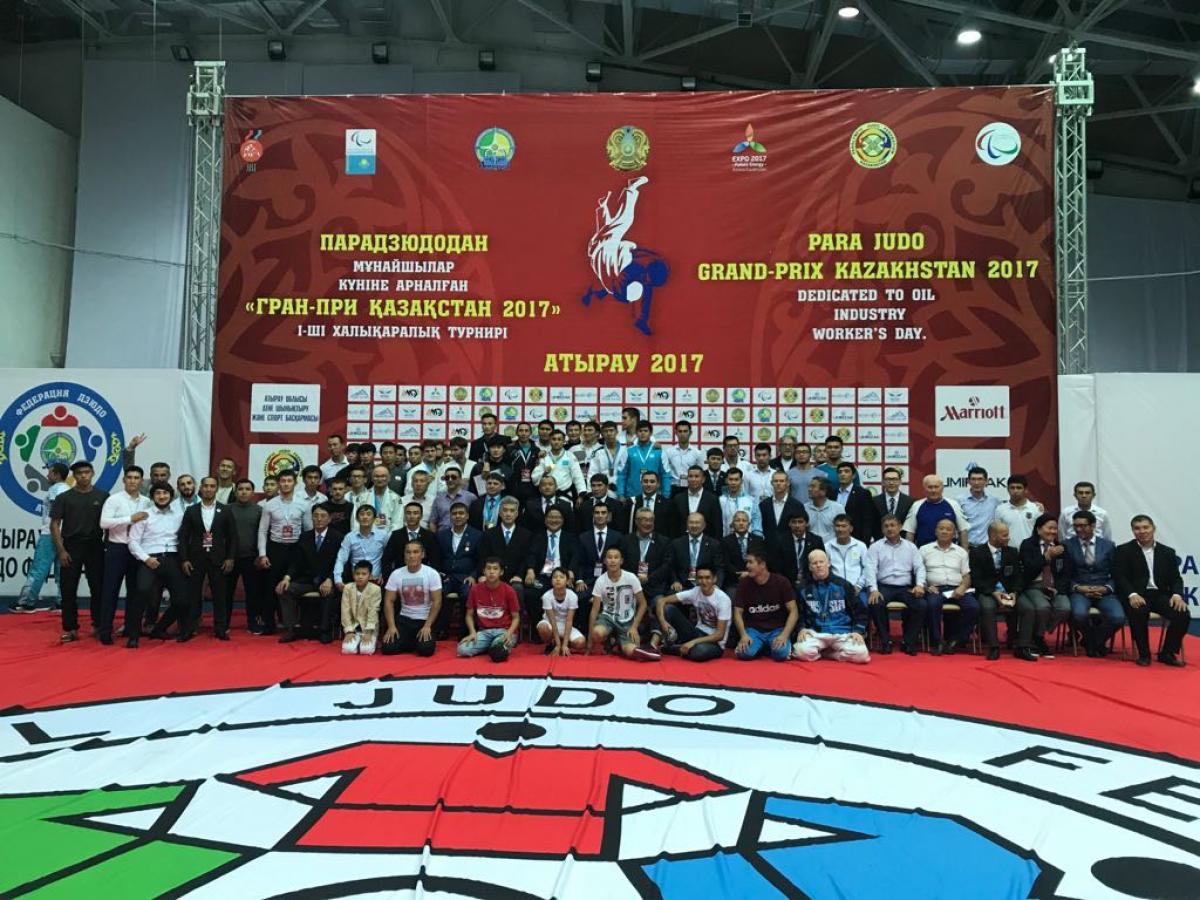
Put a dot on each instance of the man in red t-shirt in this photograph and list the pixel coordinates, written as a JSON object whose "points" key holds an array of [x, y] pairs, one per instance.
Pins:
{"points": [[492, 605]]}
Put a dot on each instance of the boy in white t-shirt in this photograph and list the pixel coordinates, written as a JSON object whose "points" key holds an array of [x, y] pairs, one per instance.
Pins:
{"points": [[555, 628], [702, 641], [618, 606], [419, 589]]}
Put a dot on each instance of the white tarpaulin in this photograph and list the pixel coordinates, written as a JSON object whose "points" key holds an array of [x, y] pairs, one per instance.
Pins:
{"points": [[64, 415]]}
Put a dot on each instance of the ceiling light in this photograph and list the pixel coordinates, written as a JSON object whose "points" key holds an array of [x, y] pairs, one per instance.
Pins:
{"points": [[275, 50], [379, 53], [848, 12], [969, 36], [593, 71], [687, 83], [1196, 86], [487, 60], [181, 52]]}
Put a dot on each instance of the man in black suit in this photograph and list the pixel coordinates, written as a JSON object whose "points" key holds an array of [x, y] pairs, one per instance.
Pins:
{"points": [[714, 473], [1045, 600], [695, 549], [206, 550], [310, 569], [788, 552], [1148, 580], [551, 547], [510, 543], [618, 518], [547, 499], [997, 580], [485, 510], [393, 552], [891, 500], [776, 511], [735, 546], [647, 555], [589, 556], [651, 498], [698, 498], [858, 503]]}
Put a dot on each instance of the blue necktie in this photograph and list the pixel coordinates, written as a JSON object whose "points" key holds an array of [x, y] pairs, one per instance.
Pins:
{"points": [[320, 540]]}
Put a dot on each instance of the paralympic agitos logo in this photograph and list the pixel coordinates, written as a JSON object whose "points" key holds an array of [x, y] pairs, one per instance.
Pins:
{"points": [[523, 787]]}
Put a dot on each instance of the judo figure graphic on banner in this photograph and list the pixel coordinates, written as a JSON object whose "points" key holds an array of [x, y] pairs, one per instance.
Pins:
{"points": [[626, 272]]}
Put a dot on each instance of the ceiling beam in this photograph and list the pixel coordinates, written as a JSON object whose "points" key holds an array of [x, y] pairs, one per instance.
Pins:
{"points": [[1166, 133], [444, 21], [787, 64], [902, 49], [564, 25], [214, 12], [1144, 111], [482, 17], [717, 31], [1127, 42], [817, 44], [1102, 10], [77, 8], [627, 27], [262, 10], [303, 16]]}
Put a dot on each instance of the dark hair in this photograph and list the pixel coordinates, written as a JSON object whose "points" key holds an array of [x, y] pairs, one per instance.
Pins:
{"points": [[1018, 479], [1141, 517], [1086, 484], [848, 465], [383, 447], [366, 447], [309, 470], [762, 446], [713, 451], [834, 439], [361, 507], [842, 517], [977, 470], [362, 564], [732, 469], [683, 422], [286, 473], [237, 484], [599, 476], [493, 561], [82, 464], [128, 469], [1086, 514], [1043, 519]]}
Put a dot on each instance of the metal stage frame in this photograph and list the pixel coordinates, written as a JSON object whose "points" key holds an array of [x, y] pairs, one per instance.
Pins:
{"points": [[1073, 97]]}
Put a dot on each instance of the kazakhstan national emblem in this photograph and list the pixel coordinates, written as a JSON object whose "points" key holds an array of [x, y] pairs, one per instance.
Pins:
{"points": [[628, 148]]}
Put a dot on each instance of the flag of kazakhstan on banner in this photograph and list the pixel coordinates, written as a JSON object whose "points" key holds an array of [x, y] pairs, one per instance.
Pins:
{"points": [[360, 151]]}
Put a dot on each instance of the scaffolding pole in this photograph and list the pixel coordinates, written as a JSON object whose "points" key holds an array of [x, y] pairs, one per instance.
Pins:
{"points": [[205, 102], [1073, 95]]}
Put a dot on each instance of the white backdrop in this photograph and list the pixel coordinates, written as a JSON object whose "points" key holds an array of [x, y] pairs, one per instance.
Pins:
{"points": [[70, 414], [1136, 436]]}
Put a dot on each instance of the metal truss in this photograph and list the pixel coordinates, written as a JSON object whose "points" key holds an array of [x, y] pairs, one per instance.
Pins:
{"points": [[1073, 96], [205, 110]]}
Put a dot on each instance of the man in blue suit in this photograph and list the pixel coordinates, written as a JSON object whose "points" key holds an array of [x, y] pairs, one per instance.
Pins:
{"points": [[459, 546], [1092, 584], [589, 558]]}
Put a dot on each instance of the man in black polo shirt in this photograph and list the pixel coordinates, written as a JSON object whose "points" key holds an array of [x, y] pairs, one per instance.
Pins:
{"points": [[75, 528]]}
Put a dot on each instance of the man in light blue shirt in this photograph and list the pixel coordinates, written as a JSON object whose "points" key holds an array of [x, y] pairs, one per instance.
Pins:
{"points": [[366, 543], [978, 508], [822, 510]]}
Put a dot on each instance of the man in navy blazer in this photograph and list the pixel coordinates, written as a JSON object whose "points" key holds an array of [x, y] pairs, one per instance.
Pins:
{"points": [[1093, 584], [589, 557], [459, 547]]}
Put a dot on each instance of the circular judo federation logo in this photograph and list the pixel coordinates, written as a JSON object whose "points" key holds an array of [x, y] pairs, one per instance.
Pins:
{"points": [[57, 422], [514, 787]]}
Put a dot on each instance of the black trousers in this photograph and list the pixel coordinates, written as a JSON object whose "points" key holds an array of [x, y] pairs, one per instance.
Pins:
{"points": [[207, 567], [406, 639], [290, 600], [87, 559], [913, 617], [1174, 621], [251, 576], [150, 584], [280, 556], [531, 604], [119, 565], [988, 610]]}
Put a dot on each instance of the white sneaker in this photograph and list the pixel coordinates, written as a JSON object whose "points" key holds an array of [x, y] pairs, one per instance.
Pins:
{"points": [[367, 647], [350, 644]]}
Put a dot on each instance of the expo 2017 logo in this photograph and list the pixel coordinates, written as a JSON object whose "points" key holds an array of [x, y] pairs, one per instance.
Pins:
{"points": [[57, 422]]}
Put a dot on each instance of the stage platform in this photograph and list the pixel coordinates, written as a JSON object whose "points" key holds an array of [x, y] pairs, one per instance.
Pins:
{"points": [[255, 769]]}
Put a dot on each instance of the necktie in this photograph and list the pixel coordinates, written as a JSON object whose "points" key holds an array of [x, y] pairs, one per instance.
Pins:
{"points": [[491, 510], [599, 544], [742, 543], [554, 547], [891, 506], [1047, 578], [1089, 555], [645, 545], [412, 536], [799, 556], [545, 506], [507, 535], [997, 560], [320, 540], [695, 551]]}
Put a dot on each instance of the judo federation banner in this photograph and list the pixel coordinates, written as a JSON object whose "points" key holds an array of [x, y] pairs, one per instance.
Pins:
{"points": [[875, 264]]}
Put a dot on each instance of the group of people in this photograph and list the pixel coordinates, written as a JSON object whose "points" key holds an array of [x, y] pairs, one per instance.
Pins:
{"points": [[598, 538]]}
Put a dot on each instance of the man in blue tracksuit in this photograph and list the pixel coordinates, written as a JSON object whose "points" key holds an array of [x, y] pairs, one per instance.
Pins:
{"points": [[832, 615], [643, 456]]}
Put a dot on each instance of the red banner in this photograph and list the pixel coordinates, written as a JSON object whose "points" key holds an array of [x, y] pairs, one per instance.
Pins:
{"points": [[764, 264]]}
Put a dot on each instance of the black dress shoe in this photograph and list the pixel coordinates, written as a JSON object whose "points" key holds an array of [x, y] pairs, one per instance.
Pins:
{"points": [[158, 634], [106, 640], [325, 637], [1042, 648], [1026, 654], [268, 630], [886, 649], [935, 649], [288, 636], [221, 635], [1170, 659], [132, 643], [949, 648], [909, 650], [1143, 660], [993, 653], [183, 637]]}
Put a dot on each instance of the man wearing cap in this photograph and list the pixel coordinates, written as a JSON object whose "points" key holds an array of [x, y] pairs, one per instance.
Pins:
{"points": [[453, 492], [154, 541], [44, 557], [78, 538]]}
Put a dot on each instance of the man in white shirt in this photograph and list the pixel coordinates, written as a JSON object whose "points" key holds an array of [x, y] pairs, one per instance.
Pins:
{"points": [[419, 491], [899, 578], [948, 580], [154, 541], [682, 456], [389, 508], [587, 447], [337, 457], [358, 492], [758, 476], [714, 608], [310, 487], [821, 510], [608, 457], [1019, 512], [419, 591], [736, 498], [278, 532], [561, 463], [1085, 499], [45, 557], [119, 513], [849, 559]]}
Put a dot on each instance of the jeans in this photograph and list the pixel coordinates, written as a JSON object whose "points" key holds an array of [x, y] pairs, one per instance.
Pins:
{"points": [[762, 639], [45, 560], [685, 631], [1112, 617], [483, 641]]}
